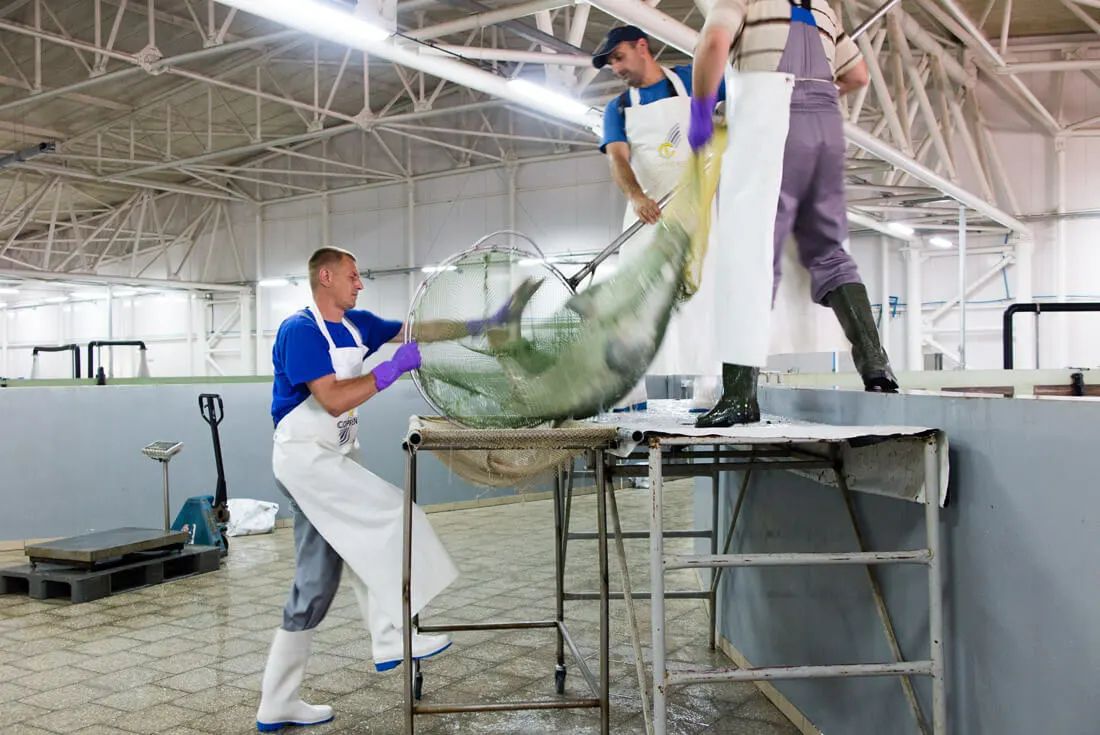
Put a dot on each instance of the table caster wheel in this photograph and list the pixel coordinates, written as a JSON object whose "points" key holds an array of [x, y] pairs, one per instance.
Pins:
{"points": [[418, 686], [559, 680]]}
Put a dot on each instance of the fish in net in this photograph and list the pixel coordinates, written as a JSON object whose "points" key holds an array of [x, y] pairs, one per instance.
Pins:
{"points": [[561, 356]]}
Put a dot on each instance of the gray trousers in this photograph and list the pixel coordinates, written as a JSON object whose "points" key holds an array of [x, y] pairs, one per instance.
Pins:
{"points": [[317, 570]]}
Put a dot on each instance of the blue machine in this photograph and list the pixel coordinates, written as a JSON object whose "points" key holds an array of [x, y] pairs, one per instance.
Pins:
{"points": [[197, 519], [205, 517]]}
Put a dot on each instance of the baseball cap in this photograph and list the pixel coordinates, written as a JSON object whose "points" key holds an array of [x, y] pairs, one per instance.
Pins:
{"points": [[614, 37]]}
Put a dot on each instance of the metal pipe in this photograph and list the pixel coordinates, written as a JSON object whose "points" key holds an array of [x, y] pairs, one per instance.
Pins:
{"points": [[605, 617], [688, 561], [486, 19], [406, 585], [935, 585], [98, 345], [680, 678], [962, 287], [503, 54], [614, 246], [26, 154], [73, 348], [657, 588], [873, 18], [1035, 308]]}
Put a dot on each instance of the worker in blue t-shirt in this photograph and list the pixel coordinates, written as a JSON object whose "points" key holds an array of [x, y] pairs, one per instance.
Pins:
{"points": [[645, 139], [343, 512]]}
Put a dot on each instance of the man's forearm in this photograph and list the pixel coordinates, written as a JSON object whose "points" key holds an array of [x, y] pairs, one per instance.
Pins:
{"points": [[624, 177], [439, 331], [340, 396], [710, 61]]}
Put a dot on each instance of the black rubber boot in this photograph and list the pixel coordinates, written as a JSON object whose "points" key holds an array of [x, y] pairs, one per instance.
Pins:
{"points": [[853, 310], [738, 403]]}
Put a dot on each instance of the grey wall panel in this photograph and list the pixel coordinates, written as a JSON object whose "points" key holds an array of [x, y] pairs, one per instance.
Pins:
{"points": [[72, 458], [1022, 591]]}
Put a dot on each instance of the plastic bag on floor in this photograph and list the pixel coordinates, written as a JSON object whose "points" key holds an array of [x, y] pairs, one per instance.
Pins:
{"points": [[251, 517]]}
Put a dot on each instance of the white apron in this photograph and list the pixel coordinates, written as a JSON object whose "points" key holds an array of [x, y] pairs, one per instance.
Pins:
{"points": [[758, 115], [659, 154], [317, 459]]}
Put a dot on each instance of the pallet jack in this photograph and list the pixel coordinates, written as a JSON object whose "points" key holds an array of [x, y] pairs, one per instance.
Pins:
{"points": [[205, 517]]}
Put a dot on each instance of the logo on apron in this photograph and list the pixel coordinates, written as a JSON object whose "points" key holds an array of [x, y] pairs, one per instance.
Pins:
{"points": [[668, 148], [345, 428]]}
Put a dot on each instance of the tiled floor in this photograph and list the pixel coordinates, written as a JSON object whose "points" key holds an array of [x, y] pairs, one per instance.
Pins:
{"points": [[187, 656]]}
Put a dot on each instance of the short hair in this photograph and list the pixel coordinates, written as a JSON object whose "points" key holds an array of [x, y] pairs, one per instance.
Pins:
{"points": [[325, 258]]}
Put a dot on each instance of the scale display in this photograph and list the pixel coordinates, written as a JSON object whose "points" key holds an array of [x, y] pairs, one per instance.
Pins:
{"points": [[162, 451]]}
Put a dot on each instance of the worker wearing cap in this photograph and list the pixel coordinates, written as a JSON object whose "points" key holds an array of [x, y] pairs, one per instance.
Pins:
{"points": [[791, 60], [645, 139]]}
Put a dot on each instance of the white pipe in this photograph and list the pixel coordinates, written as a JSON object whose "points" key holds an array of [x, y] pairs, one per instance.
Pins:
{"points": [[1060, 243], [303, 15], [96, 279], [962, 287], [486, 19], [884, 264], [505, 54], [913, 317], [861, 138], [259, 220]]}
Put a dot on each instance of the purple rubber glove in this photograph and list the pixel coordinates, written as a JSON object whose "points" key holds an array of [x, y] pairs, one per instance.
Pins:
{"points": [[480, 326], [406, 358], [701, 128]]}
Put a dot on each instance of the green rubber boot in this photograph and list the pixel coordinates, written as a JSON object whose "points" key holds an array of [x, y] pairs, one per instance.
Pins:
{"points": [[853, 310], [738, 403]]}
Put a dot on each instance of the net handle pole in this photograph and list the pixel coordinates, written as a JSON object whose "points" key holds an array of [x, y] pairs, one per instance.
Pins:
{"points": [[613, 248]]}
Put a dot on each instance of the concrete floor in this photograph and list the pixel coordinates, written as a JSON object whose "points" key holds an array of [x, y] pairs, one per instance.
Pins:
{"points": [[187, 656]]}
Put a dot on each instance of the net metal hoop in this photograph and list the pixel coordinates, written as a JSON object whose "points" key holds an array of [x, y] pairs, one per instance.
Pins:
{"points": [[477, 248]]}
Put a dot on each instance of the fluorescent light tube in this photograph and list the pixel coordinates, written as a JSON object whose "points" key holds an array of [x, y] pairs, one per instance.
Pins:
{"points": [[902, 229], [548, 98], [315, 18]]}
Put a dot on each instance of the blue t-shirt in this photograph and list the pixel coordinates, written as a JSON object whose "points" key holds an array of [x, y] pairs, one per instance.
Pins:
{"points": [[300, 354], [614, 121]]}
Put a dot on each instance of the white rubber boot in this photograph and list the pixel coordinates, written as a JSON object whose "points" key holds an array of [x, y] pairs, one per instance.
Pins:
{"points": [[386, 641], [279, 701]]}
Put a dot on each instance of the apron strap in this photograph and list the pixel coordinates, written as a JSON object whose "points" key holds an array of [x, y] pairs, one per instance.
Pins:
{"points": [[676, 84], [352, 329]]}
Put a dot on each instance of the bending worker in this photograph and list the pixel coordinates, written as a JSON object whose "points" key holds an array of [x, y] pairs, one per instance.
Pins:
{"points": [[644, 137], [791, 61], [344, 513]]}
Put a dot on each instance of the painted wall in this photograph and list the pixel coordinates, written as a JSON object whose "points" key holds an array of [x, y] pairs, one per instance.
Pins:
{"points": [[1020, 583], [73, 462]]}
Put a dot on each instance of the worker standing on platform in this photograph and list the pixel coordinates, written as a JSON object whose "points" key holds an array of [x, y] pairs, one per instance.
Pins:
{"points": [[645, 139], [791, 61], [344, 513]]}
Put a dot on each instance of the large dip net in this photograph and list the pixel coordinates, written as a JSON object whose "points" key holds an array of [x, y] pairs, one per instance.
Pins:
{"points": [[559, 356]]}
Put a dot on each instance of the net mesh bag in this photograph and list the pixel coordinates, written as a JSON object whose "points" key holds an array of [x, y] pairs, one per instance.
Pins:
{"points": [[559, 356]]}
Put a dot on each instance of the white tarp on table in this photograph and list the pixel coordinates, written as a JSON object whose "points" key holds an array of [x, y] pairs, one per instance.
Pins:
{"points": [[881, 460]]}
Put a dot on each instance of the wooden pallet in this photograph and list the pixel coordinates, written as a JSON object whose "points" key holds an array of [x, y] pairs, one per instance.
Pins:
{"points": [[45, 581]]}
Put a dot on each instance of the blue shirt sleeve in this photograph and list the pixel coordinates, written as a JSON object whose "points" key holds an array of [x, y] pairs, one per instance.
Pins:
{"points": [[374, 331], [614, 125], [685, 72], [304, 352]]}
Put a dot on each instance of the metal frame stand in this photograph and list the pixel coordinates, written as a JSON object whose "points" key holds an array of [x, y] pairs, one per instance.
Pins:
{"points": [[595, 440], [624, 468], [784, 457]]}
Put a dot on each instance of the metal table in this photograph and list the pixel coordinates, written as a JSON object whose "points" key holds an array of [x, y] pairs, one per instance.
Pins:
{"points": [[596, 439], [906, 463]]}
